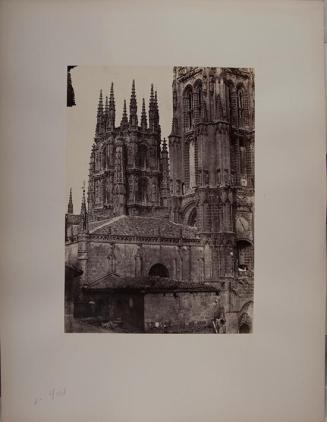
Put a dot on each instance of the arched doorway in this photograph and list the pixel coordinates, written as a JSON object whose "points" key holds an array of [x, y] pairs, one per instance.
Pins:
{"points": [[245, 323], [192, 218], [159, 270]]}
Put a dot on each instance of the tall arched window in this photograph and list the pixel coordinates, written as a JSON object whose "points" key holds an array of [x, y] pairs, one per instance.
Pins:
{"points": [[240, 106], [244, 256], [192, 164], [188, 108], [142, 156], [197, 101], [104, 158], [242, 158], [142, 193], [192, 218], [230, 101]]}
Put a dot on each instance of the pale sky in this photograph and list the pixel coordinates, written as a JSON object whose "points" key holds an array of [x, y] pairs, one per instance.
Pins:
{"points": [[81, 119]]}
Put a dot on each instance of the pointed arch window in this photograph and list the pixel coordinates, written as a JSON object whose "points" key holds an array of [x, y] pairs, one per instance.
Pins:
{"points": [[242, 158], [197, 102], [142, 192], [230, 101], [142, 156], [188, 108], [240, 106]]}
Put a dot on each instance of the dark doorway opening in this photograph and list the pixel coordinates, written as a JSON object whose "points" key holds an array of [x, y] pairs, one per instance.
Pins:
{"points": [[192, 218], [158, 270], [244, 329]]}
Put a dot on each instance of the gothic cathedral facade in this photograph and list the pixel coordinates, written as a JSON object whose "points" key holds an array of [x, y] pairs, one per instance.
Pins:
{"points": [[162, 226], [213, 138]]}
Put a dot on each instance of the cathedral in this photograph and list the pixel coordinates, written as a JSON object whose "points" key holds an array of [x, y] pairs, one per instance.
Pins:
{"points": [[164, 242]]}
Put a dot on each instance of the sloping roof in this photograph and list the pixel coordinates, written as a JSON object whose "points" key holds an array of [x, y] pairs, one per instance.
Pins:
{"points": [[112, 282], [145, 227]]}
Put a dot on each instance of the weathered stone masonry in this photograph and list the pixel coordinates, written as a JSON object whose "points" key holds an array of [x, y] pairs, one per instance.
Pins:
{"points": [[186, 216]]}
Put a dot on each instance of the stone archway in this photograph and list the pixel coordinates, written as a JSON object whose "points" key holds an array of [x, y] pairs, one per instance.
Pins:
{"points": [[192, 218], [159, 270]]}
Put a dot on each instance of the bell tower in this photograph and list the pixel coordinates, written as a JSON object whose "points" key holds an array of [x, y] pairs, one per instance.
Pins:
{"points": [[212, 158]]}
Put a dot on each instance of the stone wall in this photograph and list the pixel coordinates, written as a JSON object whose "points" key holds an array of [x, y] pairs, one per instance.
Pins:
{"points": [[131, 259], [71, 253], [180, 312]]}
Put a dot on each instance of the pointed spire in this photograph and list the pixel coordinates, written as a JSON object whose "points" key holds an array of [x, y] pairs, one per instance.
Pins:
{"points": [[111, 109], [133, 89], [124, 120], [70, 203], [99, 114], [151, 94], [144, 123], [106, 108], [83, 204], [152, 110], [84, 219], [100, 105], [133, 107], [112, 97], [106, 113], [156, 110]]}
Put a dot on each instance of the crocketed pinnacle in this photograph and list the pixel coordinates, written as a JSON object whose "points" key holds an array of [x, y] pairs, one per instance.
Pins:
{"points": [[70, 203], [99, 114], [144, 123], [124, 120], [133, 107], [84, 217], [106, 108], [83, 204], [152, 110], [112, 108]]}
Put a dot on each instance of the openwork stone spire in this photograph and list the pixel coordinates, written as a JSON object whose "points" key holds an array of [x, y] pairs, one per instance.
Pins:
{"points": [[152, 110], [99, 114], [144, 123], [84, 218], [70, 203], [124, 120], [111, 108], [133, 108]]}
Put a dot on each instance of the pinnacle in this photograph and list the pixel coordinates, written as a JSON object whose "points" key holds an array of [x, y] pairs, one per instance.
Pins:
{"points": [[124, 120], [112, 97]]}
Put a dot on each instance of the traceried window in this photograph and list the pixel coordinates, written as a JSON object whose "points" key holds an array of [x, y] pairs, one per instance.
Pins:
{"points": [[192, 218], [197, 101], [142, 193], [188, 108], [142, 156], [230, 98], [240, 106], [192, 165], [242, 158]]}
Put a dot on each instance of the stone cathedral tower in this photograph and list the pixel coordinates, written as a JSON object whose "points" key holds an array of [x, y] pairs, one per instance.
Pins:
{"points": [[212, 164], [164, 241], [128, 172]]}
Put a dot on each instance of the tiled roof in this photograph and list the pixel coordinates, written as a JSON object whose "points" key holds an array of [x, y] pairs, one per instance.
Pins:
{"points": [[145, 227]]}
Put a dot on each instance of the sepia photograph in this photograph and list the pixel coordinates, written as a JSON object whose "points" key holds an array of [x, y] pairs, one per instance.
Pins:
{"points": [[160, 187]]}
